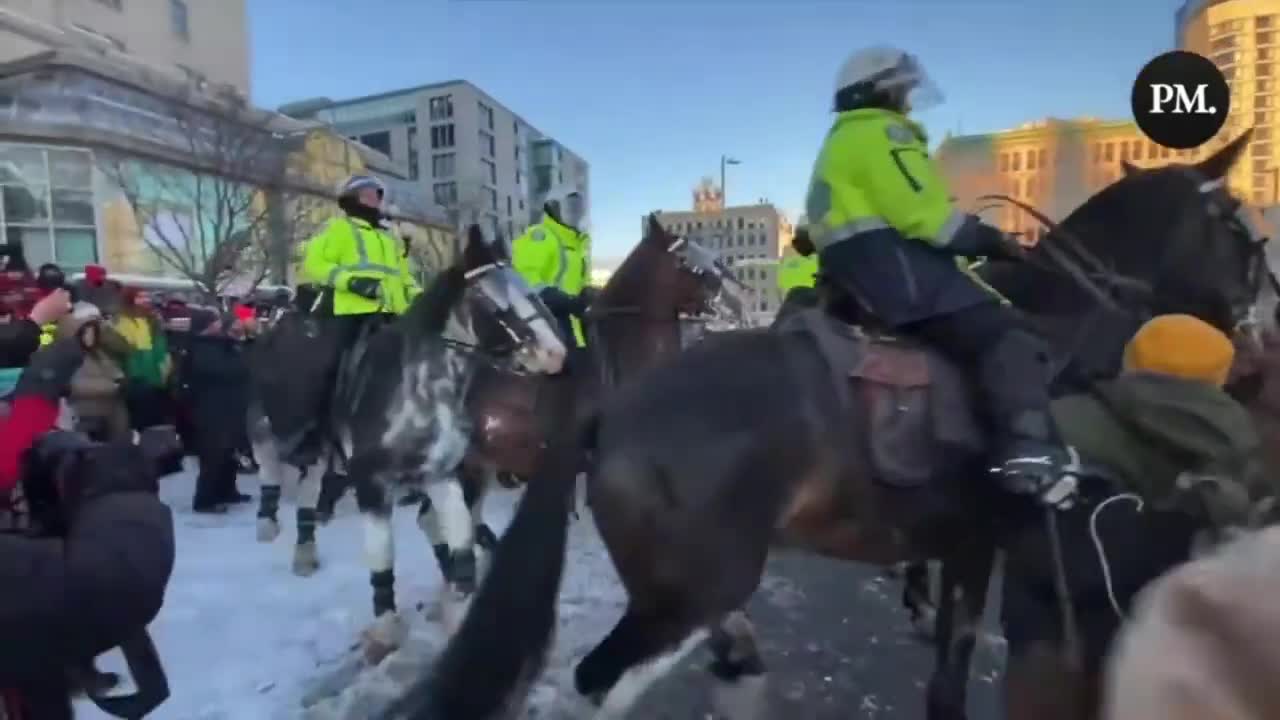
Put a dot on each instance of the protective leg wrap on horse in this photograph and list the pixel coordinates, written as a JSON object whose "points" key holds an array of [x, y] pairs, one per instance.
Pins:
{"points": [[512, 619], [306, 557]]}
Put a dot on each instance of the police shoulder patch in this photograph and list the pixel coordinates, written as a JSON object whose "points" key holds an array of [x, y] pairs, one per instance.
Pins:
{"points": [[538, 234], [900, 134]]}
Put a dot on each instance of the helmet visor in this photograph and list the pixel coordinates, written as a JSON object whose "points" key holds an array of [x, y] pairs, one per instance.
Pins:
{"points": [[912, 83]]}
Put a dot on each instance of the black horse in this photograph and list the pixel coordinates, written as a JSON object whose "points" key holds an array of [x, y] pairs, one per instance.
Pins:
{"points": [[861, 448]]}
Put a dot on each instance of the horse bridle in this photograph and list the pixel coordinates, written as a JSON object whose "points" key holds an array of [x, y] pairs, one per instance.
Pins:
{"points": [[518, 328]]}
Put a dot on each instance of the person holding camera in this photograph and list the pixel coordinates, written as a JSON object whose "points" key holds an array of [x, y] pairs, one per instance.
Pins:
{"points": [[90, 572]]}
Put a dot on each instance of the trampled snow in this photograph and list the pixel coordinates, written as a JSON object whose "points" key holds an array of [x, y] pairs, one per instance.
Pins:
{"points": [[242, 638]]}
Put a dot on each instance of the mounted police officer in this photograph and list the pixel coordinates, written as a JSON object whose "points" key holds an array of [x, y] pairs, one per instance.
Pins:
{"points": [[553, 256], [362, 267], [888, 234], [798, 275]]}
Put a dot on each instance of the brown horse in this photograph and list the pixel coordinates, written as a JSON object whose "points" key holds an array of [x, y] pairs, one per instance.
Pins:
{"points": [[852, 446], [633, 324]]}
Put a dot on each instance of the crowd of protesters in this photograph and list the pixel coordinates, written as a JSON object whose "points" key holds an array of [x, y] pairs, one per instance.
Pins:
{"points": [[152, 360]]}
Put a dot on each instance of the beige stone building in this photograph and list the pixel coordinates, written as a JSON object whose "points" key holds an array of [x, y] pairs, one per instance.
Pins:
{"points": [[749, 238], [1053, 165], [206, 39]]}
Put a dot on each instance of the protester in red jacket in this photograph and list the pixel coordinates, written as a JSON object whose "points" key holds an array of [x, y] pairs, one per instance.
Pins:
{"points": [[100, 579]]}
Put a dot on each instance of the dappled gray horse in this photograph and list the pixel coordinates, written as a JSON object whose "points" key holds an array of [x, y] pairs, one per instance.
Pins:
{"points": [[395, 415]]}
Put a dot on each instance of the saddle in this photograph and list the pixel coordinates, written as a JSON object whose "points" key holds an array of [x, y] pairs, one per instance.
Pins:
{"points": [[916, 406]]}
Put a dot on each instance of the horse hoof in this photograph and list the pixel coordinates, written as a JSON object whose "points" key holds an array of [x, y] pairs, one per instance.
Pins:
{"points": [[306, 560], [268, 530], [386, 635]]}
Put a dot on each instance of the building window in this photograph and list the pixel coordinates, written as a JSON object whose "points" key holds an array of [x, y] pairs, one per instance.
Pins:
{"points": [[486, 115], [1264, 53], [492, 196], [1261, 118], [1264, 22], [1015, 161], [414, 170], [508, 205], [1124, 152], [445, 194], [1225, 59], [1165, 153], [1262, 101], [179, 20], [491, 171], [1261, 149], [1031, 159], [440, 108], [1265, 38], [380, 141], [47, 204], [442, 165], [1226, 42], [1042, 157], [442, 136], [486, 143], [1108, 152], [1262, 70]]}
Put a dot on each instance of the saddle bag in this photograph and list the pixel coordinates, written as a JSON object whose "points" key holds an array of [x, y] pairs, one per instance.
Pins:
{"points": [[917, 412]]}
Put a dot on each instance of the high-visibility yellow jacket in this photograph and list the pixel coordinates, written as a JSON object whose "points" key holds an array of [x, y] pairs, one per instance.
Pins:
{"points": [[349, 247]]}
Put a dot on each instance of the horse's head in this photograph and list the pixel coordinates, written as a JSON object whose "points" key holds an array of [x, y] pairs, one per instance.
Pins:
{"points": [[1208, 255], [506, 315], [664, 275]]}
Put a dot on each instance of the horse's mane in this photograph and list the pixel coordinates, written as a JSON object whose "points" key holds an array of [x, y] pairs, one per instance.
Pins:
{"points": [[429, 313]]}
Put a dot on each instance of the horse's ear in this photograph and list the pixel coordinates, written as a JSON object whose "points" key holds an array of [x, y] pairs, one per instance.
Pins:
{"points": [[656, 231], [1217, 165], [477, 253], [1128, 168]]}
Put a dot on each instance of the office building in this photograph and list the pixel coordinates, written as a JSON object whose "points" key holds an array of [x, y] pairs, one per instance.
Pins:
{"points": [[749, 238], [1242, 37], [469, 155], [208, 40]]}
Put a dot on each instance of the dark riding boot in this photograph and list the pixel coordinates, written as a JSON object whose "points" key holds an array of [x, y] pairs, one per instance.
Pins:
{"points": [[1029, 456]]}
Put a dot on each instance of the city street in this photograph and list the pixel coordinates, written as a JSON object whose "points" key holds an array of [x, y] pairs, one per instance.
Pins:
{"points": [[838, 646]]}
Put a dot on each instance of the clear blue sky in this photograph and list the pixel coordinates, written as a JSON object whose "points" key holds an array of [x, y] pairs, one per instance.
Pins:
{"points": [[652, 92]]}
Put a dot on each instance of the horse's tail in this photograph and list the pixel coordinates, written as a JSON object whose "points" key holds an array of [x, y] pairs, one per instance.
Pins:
{"points": [[501, 647]]}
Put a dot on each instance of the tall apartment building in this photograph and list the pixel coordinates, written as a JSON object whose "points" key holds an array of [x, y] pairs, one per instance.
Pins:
{"points": [[468, 154], [1242, 37], [206, 39], [749, 238], [1052, 164]]}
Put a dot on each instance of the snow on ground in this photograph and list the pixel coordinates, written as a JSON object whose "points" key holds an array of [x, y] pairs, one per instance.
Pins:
{"points": [[242, 638]]}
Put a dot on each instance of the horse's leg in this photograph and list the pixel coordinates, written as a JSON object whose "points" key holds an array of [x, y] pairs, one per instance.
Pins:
{"points": [[475, 490], [449, 526], [638, 652], [965, 577], [738, 668], [388, 630], [306, 558], [270, 476]]}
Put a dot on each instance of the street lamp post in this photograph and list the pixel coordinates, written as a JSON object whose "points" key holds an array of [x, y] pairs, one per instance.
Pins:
{"points": [[724, 194]]}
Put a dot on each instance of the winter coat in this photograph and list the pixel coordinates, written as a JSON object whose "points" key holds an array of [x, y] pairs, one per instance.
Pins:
{"points": [[215, 380], [1150, 430], [147, 362], [97, 391]]}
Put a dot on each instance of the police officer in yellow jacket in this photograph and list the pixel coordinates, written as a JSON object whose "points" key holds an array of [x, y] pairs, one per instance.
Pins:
{"points": [[798, 275], [362, 266], [882, 219], [552, 256]]}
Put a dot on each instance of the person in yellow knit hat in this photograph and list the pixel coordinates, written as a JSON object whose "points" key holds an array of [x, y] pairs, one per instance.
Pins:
{"points": [[1166, 419]]}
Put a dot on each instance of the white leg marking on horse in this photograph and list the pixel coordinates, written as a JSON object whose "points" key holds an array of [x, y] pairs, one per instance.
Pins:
{"points": [[634, 682], [309, 485], [379, 542], [450, 508]]}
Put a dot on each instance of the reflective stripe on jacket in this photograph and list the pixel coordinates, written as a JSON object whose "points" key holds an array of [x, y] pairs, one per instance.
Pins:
{"points": [[350, 247], [874, 173], [549, 254], [48, 332], [797, 271]]}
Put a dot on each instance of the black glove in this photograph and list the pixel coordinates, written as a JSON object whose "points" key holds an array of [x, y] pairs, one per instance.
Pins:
{"points": [[49, 373], [996, 244], [365, 287], [559, 302]]}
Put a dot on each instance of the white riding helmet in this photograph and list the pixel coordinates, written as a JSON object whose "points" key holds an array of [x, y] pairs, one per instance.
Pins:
{"points": [[875, 74], [354, 184], [566, 204]]}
